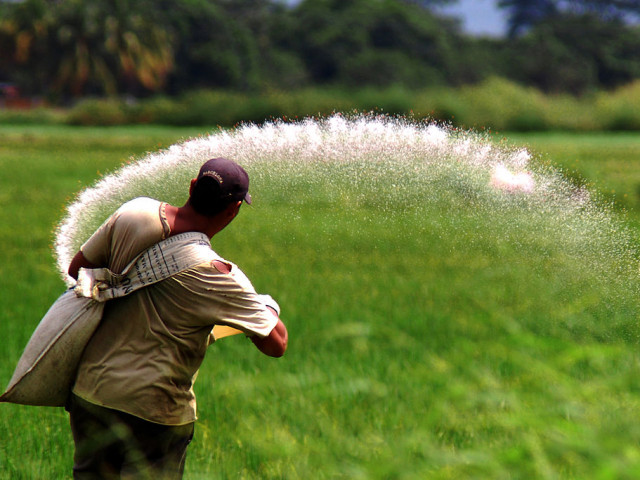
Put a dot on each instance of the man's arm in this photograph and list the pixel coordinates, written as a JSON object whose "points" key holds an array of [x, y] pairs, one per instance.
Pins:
{"points": [[77, 263], [274, 344]]}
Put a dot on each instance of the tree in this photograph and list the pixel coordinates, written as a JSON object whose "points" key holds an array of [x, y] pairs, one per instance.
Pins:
{"points": [[262, 19], [576, 53], [524, 14], [374, 42], [428, 3], [24, 40], [213, 48], [107, 46], [73, 47], [606, 9]]}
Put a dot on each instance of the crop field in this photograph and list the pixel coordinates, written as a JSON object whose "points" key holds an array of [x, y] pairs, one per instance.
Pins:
{"points": [[440, 327]]}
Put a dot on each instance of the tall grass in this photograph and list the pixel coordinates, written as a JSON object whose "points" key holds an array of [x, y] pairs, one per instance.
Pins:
{"points": [[606, 162], [439, 329], [496, 104]]}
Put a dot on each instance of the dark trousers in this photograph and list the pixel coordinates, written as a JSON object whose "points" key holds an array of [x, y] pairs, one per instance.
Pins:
{"points": [[111, 445]]}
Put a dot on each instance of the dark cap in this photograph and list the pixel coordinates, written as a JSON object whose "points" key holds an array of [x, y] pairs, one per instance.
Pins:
{"points": [[231, 178]]}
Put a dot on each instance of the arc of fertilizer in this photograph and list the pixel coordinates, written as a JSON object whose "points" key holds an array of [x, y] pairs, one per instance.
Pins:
{"points": [[338, 139], [334, 140]]}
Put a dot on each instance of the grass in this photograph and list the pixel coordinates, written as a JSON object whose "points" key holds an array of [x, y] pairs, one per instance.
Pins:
{"points": [[428, 340], [496, 103], [606, 162]]}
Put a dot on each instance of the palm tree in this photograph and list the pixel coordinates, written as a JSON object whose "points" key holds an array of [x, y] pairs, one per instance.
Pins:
{"points": [[24, 32], [107, 46], [72, 47]]}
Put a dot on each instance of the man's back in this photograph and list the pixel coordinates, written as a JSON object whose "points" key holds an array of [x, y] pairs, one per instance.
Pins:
{"points": [[133, 228], [147, 350], [144, 356]]}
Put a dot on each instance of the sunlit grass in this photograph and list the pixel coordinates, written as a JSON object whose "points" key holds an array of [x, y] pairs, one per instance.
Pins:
{"points": [[608, 162]]}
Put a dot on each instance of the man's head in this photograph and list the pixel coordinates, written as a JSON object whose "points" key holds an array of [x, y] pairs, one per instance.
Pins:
{"points": [[220, 183]]}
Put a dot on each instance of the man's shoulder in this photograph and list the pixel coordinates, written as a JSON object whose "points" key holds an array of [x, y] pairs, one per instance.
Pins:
{"points": [[140, 204], [139, 209], [219, 272]]}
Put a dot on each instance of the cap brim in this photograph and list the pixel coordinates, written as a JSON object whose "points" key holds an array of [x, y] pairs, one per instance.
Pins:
{"points": [[247, 199]]}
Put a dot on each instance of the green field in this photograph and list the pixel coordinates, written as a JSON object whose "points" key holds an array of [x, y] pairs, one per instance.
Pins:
{"points": [[607, 162], [436, 331]]}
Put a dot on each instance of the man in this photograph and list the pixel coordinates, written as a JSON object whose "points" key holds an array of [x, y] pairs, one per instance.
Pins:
{"points": [[132, 408]]}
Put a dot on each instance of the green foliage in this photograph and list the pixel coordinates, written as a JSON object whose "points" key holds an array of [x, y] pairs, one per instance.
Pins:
{"points": [[378, 43], [620, 110], [495, 104], [213, 47], [71, 48], [35, 116], [524, 14], [499, 104], [504, 105], [24, 41], [104, 112], [558, 56]]}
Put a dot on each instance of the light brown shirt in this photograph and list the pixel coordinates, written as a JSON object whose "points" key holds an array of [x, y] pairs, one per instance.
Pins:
{"points": [[145, 355]]}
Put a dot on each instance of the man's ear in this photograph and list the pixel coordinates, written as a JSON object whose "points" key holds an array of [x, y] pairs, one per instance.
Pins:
{"points": [[233, 209], [193, 182]]}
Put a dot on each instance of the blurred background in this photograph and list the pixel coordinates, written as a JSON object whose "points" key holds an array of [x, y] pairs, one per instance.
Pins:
{"points": [[543, 64]]}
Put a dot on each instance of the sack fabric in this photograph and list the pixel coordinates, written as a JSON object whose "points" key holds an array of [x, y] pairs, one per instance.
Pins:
{"points": [[46, 370]]}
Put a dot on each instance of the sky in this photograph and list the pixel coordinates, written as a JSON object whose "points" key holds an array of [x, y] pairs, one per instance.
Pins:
{"points": [[479, 17]]}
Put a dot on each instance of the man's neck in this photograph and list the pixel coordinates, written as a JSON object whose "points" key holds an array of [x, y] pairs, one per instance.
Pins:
{"points": [[186, 219]]}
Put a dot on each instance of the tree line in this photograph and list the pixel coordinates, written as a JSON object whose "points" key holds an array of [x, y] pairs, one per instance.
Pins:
{"points": [[64, 49]]}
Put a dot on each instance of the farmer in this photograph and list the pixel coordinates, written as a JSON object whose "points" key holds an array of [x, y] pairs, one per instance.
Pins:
{"points": [[132, 408]]}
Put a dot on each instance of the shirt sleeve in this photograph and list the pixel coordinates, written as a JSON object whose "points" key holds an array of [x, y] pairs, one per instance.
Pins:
{"points": [[96, 248], [241, 307], [135, 226], [220, 298]]}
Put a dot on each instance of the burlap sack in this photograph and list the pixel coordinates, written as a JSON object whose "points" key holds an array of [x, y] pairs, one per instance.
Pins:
{"points": [[46, 370]]}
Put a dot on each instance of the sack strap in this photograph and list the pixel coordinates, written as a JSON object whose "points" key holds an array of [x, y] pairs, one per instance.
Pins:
{"points": [[158, 262]]}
